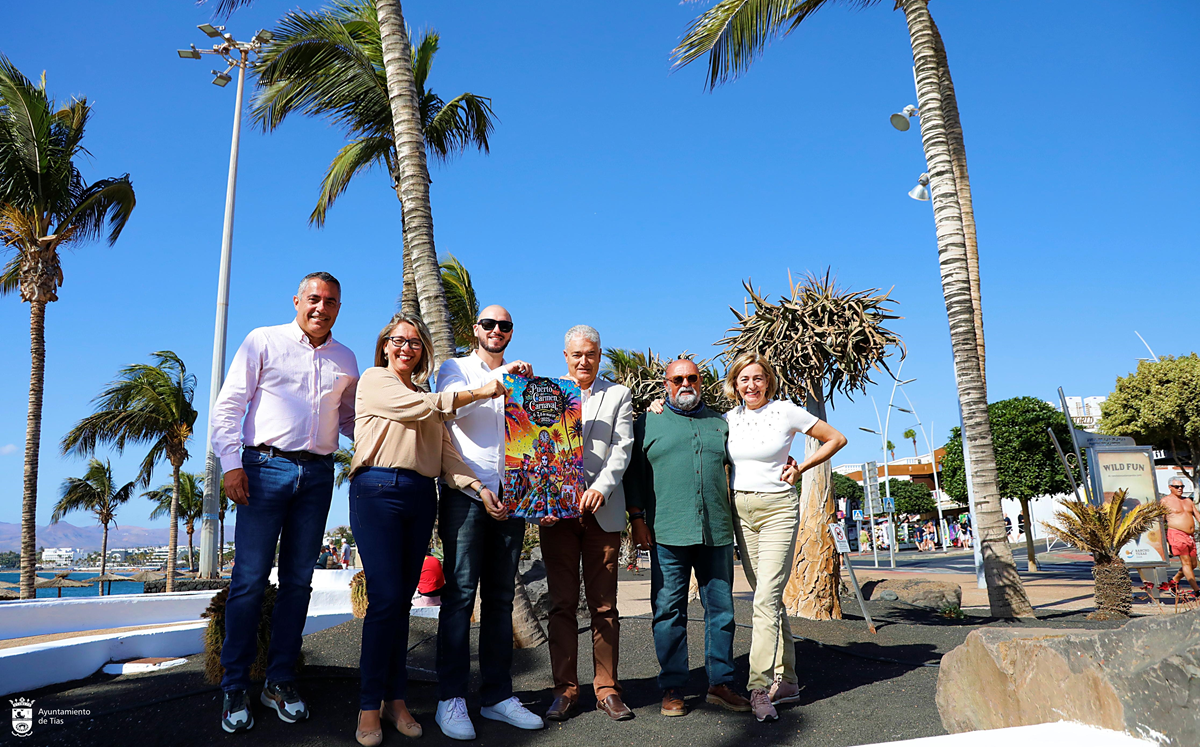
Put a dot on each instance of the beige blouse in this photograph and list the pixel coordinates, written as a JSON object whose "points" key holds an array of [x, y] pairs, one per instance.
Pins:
{"points": [[397, 427]]}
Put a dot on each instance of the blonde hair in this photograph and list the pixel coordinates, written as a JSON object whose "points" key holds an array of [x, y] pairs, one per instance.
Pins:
{"points": [[425, 365], [739, 365]]}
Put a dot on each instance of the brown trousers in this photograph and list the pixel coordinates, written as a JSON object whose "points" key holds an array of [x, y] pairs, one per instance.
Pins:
{"points": [[563, 546]]}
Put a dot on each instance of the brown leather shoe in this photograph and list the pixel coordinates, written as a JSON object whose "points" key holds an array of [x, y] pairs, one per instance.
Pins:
{"points": [[672, 703], [561, 709], [615, 708], [729, 700]]}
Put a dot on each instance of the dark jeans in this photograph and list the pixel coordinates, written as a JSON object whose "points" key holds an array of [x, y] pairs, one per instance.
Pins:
{"points": [[391, 515], [478, 551], [289, 503], [669, 578]]}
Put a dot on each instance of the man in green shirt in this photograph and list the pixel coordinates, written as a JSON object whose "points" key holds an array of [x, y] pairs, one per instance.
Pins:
{"points": [[677, 491]]}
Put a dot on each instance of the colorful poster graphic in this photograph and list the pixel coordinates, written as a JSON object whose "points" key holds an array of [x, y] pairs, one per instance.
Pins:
{"points": [[1132, 469], [543, 447]]}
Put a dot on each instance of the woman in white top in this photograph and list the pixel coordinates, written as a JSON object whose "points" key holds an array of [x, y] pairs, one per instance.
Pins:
{"points": [[767, 509]]}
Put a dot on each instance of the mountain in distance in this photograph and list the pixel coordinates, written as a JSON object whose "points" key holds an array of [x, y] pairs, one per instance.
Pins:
{"points": [[88, 538]]}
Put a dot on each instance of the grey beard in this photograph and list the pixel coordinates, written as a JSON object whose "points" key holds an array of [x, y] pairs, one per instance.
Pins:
{"points": [[685, 399]]}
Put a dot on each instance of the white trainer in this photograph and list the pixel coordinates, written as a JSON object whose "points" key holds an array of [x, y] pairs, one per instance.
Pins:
{"points": [[453, 720], [512, 712]]}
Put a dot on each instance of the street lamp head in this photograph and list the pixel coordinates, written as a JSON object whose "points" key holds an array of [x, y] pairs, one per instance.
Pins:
{"points": [[264, 36], [222, 79], [868, 430], [921, 191], [211, 30], [900, 119], [190, 54]]}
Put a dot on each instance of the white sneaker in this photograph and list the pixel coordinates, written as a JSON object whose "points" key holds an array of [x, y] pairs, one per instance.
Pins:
{"points": [[453, 720], [512, 712]]}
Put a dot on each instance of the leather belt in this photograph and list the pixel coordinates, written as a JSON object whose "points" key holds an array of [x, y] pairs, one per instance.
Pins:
{"points": [[299, 456]]}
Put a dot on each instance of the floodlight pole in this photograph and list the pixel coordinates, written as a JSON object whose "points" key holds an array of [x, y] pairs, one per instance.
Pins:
{"points": [[933, 462], [236, 54]]}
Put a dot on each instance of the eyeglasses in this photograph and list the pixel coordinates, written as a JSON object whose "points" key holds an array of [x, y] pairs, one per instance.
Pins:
{"points": [[1173, 485], [690, 378], [490, 324], [413, 344]]}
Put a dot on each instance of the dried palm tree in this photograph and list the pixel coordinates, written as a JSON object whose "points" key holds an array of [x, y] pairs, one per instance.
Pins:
{"points": [[822, 340], [643, 374], [1103, 531]]}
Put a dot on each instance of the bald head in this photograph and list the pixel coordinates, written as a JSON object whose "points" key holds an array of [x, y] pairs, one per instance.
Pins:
{"points": [[493, 329], [683, 384]]}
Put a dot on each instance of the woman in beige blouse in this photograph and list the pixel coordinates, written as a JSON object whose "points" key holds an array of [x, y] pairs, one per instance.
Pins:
{"points": [[400, 449]]}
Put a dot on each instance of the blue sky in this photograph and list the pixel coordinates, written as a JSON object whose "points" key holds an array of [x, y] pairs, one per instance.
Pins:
{"points": [[624, 196]]}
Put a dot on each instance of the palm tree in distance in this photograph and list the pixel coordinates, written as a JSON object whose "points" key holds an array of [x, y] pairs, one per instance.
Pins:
{"points": [[95, 492], [911, 435], [188, 508], [413, 171], [149, 405], [891, 448], [732, 34], [45, 205]]}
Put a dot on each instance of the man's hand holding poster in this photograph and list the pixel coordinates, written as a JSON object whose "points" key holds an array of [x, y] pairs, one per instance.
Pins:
{"points": [[543, 447]]}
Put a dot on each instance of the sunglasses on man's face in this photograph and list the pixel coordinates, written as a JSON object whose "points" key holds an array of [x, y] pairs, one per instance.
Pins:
{"points": [[1180, 487], [678, 380], [490, 324]]}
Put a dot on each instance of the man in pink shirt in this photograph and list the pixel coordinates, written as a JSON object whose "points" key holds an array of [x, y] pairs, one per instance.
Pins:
{"points": [[289, 392]]}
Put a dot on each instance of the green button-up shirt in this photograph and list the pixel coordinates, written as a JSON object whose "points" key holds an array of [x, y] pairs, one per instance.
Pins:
{"points": [[677, 476]]}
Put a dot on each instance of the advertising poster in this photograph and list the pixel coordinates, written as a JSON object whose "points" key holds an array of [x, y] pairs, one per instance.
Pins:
{"points": [[543, 447], [1132, 469]]}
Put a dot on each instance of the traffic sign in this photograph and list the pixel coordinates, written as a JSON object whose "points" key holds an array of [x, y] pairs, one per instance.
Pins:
{"points": [[839, 537], [889, 505], [871, 486], [858, 515]]}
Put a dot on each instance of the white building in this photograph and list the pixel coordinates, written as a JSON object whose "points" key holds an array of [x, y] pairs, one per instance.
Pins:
{"points": [[58, 556], [1084, 411]]}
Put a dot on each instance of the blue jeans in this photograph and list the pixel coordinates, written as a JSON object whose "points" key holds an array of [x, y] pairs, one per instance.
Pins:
{"points": [[289, 503], [391, 515], [669, 577], [478, 551]]}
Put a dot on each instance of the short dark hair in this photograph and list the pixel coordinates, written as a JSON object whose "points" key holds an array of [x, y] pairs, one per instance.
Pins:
{"points": [[324, 277]]}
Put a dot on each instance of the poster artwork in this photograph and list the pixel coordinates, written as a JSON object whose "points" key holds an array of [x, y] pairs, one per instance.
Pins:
{"points": [[543, 447], [1131, 469]]}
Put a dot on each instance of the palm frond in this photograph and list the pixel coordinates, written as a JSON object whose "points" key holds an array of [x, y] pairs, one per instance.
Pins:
{"points": [[25, 109], [734, 33], [462, 302], [354, 157], [226, 8], [108, 201], [1103, 530], [423, 53], [463, 121]]}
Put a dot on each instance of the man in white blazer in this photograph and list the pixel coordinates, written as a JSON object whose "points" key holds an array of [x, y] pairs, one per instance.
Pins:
{"points": [[593, 539]]}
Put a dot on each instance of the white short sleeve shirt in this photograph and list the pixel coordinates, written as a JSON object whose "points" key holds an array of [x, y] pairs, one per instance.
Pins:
{"points": [[759, 442]]}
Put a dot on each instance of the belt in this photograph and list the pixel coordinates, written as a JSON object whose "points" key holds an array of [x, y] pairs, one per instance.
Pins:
{"points": [[299, 456]]}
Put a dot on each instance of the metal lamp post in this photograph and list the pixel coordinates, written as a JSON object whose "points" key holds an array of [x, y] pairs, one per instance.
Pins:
{"points": [[933, 463], [235, 54], [882, 433]]}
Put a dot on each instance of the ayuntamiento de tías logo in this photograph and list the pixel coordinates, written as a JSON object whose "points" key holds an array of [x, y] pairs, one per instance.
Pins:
{"points": [[22, 717]]}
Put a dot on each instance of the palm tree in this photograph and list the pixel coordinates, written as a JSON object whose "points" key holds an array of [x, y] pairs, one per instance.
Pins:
{"points": [[95, 492], [353, 60], [643, 374], [464, 306], [891, 448], [733, 33], [45, 205], [911, 434], [188, 508], [822, 341], [341, 463], [1103, 531], [224, 506], [145, 405]]}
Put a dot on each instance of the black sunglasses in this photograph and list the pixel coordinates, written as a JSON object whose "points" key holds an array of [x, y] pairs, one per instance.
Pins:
{"points": [[490, 324], [690, 378]]}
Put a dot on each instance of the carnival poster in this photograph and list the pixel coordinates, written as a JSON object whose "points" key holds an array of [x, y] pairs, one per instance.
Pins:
{"points": [[543, 447]]}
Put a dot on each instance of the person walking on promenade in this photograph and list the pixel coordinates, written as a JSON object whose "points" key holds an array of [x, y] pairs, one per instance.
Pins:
{"points": [[481, 543], [678, 496], [767, 511], [289, 392], [593, 539], [400, 449], [1182, 515]]}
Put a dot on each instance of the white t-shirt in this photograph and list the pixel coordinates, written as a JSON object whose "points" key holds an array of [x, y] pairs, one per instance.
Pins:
{"points": [[759, 442]]}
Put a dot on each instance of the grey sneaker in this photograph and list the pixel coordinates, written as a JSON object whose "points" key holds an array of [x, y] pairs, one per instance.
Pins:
{"points": [[783, 691], [235, 712], [285, 700], [760, 703]]}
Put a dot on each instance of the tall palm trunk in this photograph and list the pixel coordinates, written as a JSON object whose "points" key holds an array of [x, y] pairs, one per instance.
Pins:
{"points": [[812, 588], [33, 439], [190, 530], [173, 532], [962, 186], [408, 292], [414, 177], [1006, 594], [527, 629], [103, 556]]}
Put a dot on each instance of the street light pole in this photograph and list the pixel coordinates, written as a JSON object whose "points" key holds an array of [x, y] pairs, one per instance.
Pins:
{"points": [[236, 54], [882, 433], [933, 463]]}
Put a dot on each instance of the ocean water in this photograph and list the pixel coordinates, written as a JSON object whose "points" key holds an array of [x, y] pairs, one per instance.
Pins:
{"points": [[118, 587]]}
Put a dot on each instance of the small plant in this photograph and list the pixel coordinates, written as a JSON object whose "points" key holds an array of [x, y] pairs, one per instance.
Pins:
{"points": [[1103, 531], [358, 594], [214, 637], [951, 611]]}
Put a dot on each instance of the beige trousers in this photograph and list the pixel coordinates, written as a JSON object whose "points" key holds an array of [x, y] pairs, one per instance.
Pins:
{"points": [[766, 534]]}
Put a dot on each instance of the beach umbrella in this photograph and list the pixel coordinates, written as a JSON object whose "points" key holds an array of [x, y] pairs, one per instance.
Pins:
{"points": [[9, 585], [60, 582], [9, 594], [109, 577], [145, 576]]}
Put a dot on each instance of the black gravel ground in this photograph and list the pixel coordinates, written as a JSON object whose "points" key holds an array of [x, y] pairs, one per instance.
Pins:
{"points": [[859, 688]]}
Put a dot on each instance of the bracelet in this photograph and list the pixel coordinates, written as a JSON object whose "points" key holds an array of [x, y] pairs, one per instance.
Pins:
{"points": [[634, 515]]}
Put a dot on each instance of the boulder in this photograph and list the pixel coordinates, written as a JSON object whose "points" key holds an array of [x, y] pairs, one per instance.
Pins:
{"points": [[533, 575], [1142, 678], [918, 592]]}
